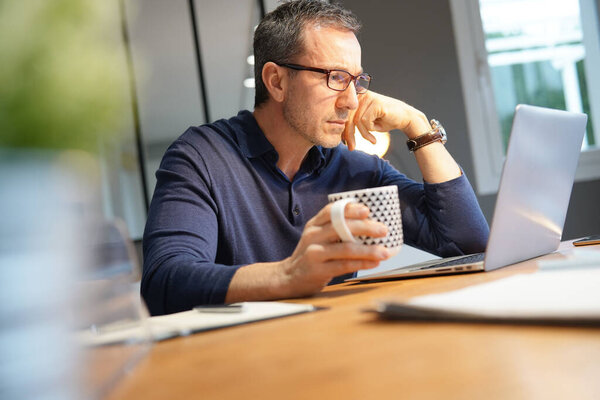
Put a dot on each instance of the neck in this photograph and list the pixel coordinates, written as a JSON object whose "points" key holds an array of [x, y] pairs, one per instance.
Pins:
{"points": [[291, 147]]}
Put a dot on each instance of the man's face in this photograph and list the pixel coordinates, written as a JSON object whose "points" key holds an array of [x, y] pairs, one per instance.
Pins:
{"points": [[316, 112]]}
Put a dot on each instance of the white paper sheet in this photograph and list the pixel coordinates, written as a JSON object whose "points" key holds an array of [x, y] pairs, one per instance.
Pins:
{"points": [[187, 322], [561, 294]]}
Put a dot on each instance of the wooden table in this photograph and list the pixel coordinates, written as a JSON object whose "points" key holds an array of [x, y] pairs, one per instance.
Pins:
{"points": [[345, 352]]}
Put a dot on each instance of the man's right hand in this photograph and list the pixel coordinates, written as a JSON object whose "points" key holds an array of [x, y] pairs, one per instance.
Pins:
{"points": [[318, 257]]}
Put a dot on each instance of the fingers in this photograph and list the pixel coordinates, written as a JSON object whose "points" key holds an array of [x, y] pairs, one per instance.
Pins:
{"points": [[365, 117], [354, 121], [338, 268], [348, 134], [364, 106], [382, 114], [370, 228], [352, 211], [320, 230], [319, 255], [341, 258], [365, 132], [355, 251], [326, 234], [344, 258]]}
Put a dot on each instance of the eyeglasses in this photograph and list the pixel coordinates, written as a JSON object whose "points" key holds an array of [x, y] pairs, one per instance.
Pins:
{"points": [[337, 79]]}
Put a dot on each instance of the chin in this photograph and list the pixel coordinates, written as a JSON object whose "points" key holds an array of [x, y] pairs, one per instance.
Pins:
{"points": [[330, 138], [330, 142]]}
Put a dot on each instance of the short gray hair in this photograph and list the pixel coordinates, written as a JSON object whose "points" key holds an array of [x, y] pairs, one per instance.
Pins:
{"points": [[278, 37]]}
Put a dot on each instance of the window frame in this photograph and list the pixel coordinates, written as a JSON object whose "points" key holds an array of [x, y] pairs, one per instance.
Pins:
{"points": [[482, 119]]}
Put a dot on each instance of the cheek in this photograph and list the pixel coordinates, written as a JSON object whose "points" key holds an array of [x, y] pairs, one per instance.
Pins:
{"points": [[325, 104], [315, 105]]}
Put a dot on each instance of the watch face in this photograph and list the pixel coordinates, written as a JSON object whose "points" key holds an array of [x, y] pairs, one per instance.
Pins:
{"points": [[443, 132], [436, 126]]}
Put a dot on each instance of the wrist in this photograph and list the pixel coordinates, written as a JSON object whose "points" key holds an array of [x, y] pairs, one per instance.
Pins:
{"points": [[436, 134], [419, 125], [281, 278], [261, 281]]}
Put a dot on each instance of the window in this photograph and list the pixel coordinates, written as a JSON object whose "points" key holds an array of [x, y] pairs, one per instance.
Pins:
{"points": [[541, 52]]}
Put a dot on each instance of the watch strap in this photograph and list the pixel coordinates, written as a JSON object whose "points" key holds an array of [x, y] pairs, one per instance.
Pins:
{"points": [[436, 134]]}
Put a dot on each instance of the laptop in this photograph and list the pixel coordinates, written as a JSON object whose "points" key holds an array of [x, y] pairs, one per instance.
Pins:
{"points": [[533, 196]]}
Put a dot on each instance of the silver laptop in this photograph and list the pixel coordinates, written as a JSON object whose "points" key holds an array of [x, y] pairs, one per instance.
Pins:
{"points": [[533, 196]]}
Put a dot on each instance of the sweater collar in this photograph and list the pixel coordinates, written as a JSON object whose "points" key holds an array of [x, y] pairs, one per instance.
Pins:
{"points": [[254, 143]]}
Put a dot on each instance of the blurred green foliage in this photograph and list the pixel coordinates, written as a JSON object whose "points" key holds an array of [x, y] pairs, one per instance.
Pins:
{"points": [[62, 73]]}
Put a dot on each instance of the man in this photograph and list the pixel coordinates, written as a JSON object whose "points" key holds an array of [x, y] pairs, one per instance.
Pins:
{"points": [[240, 208]]}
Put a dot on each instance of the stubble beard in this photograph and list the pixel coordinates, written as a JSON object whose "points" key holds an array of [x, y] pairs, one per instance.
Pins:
{"points": [[299, 120]]}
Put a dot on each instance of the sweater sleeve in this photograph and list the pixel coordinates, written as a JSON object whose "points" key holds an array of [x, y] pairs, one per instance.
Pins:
{"points": [[444, 218], [181, 237]]}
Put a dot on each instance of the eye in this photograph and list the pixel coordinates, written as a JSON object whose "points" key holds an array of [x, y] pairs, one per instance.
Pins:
{"points": [[339, 77], [362, 83]]}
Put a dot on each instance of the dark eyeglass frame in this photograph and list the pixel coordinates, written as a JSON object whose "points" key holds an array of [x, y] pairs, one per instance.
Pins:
{"points": [[354, 78]]}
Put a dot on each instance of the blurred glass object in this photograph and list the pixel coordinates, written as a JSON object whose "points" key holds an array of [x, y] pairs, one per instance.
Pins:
{"points": [[44, 211], [61, 81], [64, 85], [63, 268], [108, 303]]}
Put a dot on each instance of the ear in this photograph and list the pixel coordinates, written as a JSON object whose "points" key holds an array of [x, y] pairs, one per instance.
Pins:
{"points": [[275, 80]]}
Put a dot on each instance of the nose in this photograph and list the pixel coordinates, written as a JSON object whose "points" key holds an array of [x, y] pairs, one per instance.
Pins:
{"points": [[348, 99]]}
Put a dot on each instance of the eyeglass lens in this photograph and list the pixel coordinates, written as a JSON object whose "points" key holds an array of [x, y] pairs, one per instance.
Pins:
{"points": [[340, 80]]}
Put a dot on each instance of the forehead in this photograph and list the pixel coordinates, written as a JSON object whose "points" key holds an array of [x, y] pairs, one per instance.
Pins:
{"points": [[331, 48]]}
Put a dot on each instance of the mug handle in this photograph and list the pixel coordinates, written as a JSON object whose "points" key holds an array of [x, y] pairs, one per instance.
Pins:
{"points": [[338, 221]]}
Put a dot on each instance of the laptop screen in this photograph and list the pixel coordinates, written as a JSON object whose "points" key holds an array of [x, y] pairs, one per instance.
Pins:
{"points": [[536, 184]]}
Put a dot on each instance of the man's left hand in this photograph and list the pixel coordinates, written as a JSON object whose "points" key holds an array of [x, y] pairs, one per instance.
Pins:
{"points": [[380, 113]]}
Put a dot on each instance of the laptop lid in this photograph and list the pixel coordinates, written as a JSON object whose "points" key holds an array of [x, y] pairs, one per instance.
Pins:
{"points": [[535, 186], [533, 196]]}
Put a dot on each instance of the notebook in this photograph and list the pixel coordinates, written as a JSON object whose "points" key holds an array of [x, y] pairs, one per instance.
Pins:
{"points": [[202, 318], [533, 196]]}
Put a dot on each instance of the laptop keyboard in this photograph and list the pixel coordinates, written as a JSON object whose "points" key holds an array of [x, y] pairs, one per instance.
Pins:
{"points": [[468, 259]]}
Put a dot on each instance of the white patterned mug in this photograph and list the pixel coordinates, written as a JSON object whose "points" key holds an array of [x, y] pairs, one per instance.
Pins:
{"points": [[385, 208]]}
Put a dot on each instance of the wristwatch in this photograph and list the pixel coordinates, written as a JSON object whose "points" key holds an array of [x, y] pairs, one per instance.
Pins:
{"points": [[436, 134]]}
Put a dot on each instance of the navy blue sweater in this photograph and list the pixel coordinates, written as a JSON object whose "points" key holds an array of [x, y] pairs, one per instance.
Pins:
{"points": [[220, 202]]}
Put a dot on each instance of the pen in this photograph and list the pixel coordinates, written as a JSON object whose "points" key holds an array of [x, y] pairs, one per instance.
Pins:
{"points": [[220, 308]]}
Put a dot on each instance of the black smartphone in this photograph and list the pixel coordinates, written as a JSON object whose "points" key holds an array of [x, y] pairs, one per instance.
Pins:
{"points": [[593, 239]]}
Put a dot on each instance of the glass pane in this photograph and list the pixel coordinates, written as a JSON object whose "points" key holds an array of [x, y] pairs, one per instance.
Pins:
{"points": [[535, 53], [229, 75], [166, 75], [122, 186]]}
